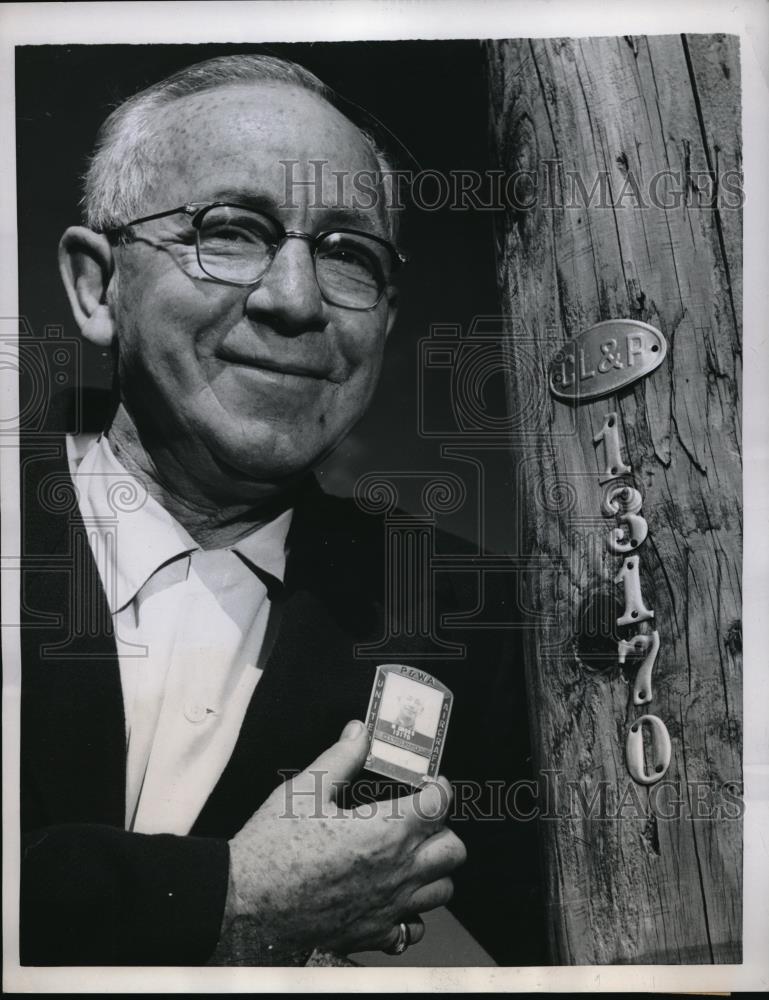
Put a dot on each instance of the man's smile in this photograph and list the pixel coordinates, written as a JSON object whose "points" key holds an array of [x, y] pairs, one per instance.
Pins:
{"points": [[262, 364]]}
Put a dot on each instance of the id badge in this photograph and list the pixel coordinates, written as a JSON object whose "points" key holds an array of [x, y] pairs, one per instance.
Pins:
{"points": [[407, 718]]}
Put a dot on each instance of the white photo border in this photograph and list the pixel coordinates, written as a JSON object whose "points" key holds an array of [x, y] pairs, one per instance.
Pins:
{"points": [[337, 20]]}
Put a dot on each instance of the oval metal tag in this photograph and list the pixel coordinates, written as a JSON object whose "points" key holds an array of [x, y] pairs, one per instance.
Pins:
{"points": [[604, 358]]}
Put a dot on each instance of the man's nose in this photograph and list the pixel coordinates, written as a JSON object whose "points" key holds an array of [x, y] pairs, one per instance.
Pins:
{"points": [[289, 290]]}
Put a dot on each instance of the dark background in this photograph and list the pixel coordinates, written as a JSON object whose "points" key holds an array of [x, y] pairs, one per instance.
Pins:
{"points": [[431, 95]]}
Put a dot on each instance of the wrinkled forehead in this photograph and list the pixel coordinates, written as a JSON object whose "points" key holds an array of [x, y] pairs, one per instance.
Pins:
{"points": [[272, 139]]}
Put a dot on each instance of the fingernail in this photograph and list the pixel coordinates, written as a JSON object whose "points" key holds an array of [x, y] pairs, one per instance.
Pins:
{"points": [[352, 730]]}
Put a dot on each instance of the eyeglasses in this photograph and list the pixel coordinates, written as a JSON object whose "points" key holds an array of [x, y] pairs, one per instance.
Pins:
{"points": [[236, 245]]}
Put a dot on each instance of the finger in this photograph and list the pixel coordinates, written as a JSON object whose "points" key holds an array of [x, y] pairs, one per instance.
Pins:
{"points": [[424, 811], [416, 928], [439, 855], [430, 896], [335, 767]]}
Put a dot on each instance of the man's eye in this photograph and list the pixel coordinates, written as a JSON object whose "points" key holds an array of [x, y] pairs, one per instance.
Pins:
{"points": [[351, 256], [348, 251], [231, 236]]}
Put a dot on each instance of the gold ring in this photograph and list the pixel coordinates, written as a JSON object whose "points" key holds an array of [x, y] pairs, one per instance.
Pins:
{"points": [[401, 942]]}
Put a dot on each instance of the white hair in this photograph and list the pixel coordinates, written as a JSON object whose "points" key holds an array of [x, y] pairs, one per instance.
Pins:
{"points": [[121, 169]]}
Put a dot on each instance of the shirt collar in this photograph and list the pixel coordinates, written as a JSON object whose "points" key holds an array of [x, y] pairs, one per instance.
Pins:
{"points": [[110, 498], [265, 548]]}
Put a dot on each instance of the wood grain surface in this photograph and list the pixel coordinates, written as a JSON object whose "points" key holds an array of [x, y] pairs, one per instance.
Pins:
{"points": [[637, 887]]}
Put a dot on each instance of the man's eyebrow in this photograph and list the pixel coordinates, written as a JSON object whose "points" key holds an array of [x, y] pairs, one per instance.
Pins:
{"points": [[242, 196]]}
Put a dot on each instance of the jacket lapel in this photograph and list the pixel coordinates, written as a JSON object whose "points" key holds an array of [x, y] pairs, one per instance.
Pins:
{"points": [[73, 728]]}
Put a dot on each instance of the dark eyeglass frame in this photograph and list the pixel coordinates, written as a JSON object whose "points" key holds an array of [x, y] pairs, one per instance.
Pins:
{"points": [[198, 210]]}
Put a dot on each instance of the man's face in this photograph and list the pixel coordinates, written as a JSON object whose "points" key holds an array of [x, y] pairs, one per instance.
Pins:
{"points": [[264, 380], [410, 708]]}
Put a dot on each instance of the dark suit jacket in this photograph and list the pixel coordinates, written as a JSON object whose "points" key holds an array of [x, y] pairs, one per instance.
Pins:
{"points": [[93, 893]]}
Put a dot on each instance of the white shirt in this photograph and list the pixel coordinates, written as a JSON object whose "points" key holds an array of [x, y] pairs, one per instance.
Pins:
{"points": [[189, 627]]}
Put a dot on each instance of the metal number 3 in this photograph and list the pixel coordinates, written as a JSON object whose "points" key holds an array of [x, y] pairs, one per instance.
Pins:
{"points": [[625, 502]]}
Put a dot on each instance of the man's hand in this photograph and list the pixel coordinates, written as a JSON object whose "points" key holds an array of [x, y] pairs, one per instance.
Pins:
{"points": [[306, 873]]}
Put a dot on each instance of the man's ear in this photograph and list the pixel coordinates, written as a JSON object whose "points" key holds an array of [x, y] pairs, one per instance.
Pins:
{"points": [[392, 309], [86, 267]]}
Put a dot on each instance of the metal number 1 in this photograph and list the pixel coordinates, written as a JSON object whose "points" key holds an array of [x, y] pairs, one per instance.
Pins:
{"points": [[613, 464], [635, 609]]}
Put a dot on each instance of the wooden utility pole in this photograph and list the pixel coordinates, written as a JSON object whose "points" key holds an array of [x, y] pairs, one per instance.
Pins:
{"points": [[642, 876]]}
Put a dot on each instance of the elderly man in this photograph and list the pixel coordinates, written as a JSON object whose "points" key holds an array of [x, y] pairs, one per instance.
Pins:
{"points": [[182, 768]]}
